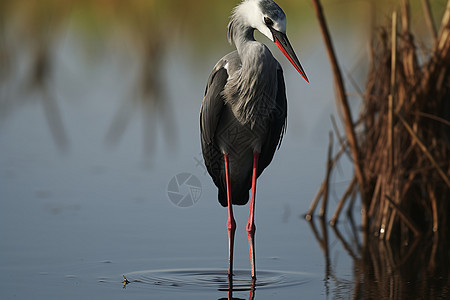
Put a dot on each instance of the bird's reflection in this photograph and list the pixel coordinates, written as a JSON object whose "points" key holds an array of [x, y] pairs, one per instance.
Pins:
{"points": [[230, 290]]}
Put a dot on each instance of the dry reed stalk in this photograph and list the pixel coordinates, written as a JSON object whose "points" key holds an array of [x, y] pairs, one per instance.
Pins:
{"points": [[314, 203], [425, 151], [347, 194], [375, 196], [392, 218], [320, 192], [391, 98], [384, 216], [434, 208], [339, 83], [342, 142], [429, 18], [323, 209], [406, 219]]}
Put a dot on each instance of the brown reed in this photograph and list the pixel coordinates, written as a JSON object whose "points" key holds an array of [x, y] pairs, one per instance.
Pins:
{"points": [[400, 144]]}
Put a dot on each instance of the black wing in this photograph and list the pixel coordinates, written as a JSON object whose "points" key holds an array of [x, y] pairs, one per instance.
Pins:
{"points": [[277, 125], [210, 113]]}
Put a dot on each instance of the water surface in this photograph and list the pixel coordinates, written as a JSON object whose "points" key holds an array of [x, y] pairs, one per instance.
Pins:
{"points": [[90, 142]]}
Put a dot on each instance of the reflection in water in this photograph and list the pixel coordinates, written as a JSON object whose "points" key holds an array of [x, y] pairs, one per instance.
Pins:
{"points": [[31, 34], [231, 289], [40, 82], [382, 269], [323, 243], [219, 280], [148, 97], [38, 31], [5, 56]]}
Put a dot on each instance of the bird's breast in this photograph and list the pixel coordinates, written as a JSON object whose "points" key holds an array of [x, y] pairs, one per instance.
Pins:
{"points": [[239, 138], [251, 94]]}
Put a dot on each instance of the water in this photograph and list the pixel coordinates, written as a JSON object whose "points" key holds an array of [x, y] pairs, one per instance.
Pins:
{"points": [[210, 279], [90, 162], [79, 212]]}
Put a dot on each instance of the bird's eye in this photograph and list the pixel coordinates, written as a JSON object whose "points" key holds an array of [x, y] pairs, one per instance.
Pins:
{"points": [[268, 21]]}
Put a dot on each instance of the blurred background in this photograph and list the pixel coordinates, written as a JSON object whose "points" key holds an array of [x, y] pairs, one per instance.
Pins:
{"points": [[54, 53], [99, 104]]}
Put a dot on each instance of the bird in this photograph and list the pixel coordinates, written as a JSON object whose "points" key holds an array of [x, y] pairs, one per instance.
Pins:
{"points": [[244, 111]]}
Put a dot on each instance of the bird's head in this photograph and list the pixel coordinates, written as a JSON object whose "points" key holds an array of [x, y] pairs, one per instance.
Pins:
{"points": [[269, 19]]}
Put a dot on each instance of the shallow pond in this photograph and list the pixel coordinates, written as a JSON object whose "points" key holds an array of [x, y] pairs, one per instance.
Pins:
{"points": [[101, 178]]}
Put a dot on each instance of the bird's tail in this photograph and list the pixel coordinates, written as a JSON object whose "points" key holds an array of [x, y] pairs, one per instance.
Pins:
{"points": [[238, 196]]}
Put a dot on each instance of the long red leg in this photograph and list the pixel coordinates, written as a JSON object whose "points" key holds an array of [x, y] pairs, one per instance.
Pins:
{"points": [[231, 224], [251, 228]]}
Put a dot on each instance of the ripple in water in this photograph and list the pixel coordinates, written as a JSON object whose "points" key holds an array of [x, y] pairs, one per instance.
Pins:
{"points": [[216, 279]]}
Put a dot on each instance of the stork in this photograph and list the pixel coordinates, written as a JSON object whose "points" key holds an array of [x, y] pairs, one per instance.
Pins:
{"points": [[244, 110]]}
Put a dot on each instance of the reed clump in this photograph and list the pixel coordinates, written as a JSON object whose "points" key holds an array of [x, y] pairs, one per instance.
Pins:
{"points": [[405, 136], [402, 148]]}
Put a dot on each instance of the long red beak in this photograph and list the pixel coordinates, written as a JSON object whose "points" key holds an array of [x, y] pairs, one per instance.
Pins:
{"points": [[282, 42]]}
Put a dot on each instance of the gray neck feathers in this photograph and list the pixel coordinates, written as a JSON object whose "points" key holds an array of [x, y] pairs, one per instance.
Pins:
{"points": [[251, 90]]}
